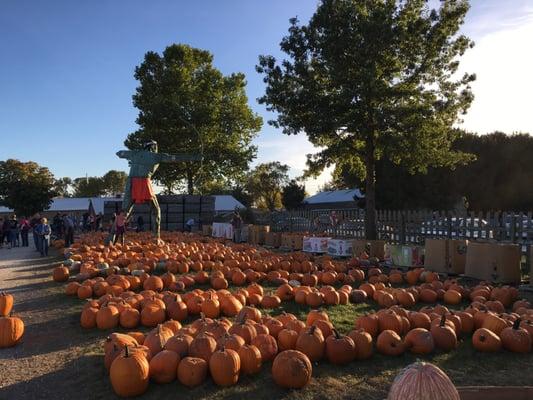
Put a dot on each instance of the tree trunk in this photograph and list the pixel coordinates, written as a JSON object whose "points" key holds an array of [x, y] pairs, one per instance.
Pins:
{"points": [[370, 192], [190, 182]]}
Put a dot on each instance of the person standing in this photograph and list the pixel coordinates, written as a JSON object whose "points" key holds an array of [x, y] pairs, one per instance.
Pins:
{"points": [[5, 231], [98, 222], [189, 225], [120, 227], [13, 231], [236, 222], [24, 231], [2, 238], [68, 225], [44, 231], [34, 222]]}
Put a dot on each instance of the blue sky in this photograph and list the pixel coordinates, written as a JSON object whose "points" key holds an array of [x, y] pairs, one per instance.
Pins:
{"points": [[66, 70]]}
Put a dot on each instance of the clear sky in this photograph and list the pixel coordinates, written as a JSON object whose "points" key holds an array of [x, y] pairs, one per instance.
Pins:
{"points": [[66, 70]]}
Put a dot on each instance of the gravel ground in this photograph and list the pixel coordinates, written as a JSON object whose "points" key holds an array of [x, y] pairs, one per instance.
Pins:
{"points": [[47, 364]]}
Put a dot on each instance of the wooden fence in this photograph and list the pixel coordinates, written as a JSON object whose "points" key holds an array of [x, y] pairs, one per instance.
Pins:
{"points": [[412, 227]]}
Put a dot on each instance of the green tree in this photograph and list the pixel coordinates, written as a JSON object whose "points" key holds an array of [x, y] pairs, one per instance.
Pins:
{"points": [[62, 187], [293, 195], [92, 186], [370, 80], [114, 182], [265, 183], [25, 187], [187, 105]]}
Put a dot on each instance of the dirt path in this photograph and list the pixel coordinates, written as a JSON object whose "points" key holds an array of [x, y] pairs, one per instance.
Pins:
{"points": [[47, 361]]}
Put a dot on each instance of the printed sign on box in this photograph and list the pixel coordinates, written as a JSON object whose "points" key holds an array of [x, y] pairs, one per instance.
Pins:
{"points": [[340, 247], [404, 256], [315, 244]]}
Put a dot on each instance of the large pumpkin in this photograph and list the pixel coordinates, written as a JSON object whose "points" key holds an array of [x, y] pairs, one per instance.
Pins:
{"points": [[225, 366], [291, 369], [419, 341], [11, 331], [422, 381], [250, 359], [129, 374]]}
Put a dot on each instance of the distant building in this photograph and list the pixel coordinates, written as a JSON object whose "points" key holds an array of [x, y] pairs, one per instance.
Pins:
{"points": [[350, 198], [70, 205], [80, 205], [226, 203]]}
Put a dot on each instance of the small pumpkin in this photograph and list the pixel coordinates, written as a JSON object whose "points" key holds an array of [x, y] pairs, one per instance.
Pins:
{"points": [[363, 344], [419, 341], [267, 345], [390, 343], [11, 331], [292, 369], [250, 359], [516, 338], [179, 344], [192, 371], [163, 366], [311, 343], [203, 346], [339, 349], [486, 341], [443, 335]]}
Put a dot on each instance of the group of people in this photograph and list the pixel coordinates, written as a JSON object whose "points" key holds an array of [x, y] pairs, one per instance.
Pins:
{"points": [[15, 232]]}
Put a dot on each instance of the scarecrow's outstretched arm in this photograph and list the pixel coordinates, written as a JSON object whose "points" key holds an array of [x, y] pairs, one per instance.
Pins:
{"points": [[124, 154], [179, 157]]}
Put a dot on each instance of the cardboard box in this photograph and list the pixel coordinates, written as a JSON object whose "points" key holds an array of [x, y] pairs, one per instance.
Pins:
{"points": [[273, 239], [315, 244], [297, 242], [404, 256], [496, 262], [207, 230], [373, 248], [445, 255], [340, 247]]}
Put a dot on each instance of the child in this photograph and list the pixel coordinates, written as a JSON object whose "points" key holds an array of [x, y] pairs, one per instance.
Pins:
{"points": [[120, 227]]}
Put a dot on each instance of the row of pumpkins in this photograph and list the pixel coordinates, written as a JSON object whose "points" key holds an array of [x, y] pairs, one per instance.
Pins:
{"points": [[227, 350], [11, 328]]}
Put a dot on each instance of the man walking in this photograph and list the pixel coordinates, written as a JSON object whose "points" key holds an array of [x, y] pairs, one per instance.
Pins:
{"points": [[68, 225]]}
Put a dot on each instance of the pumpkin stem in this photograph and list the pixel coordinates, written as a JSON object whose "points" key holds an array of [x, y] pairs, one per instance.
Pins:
{"points": [[126, 351], [482, 338], [516, 324], [312, 329], [443, 320], [336, 333]]}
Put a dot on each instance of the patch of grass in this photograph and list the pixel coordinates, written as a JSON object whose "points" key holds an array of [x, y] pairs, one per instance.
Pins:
{"points": [[369, 379]]}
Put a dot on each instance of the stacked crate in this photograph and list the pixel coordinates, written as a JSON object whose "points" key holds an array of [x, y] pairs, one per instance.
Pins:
{"points": [[176, 210]]}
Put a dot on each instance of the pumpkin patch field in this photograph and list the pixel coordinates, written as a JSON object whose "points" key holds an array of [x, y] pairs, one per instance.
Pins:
{"points": [[193, 317]]}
